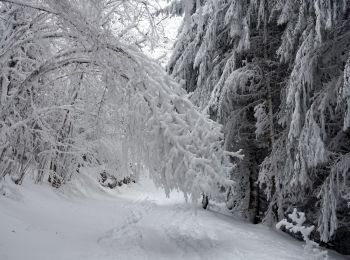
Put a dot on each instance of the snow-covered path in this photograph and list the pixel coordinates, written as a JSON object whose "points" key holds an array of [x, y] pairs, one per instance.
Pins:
{"points": [[136, 222]]}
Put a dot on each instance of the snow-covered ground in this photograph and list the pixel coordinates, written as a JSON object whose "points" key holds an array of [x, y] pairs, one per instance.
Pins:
{"points": [[133, 222]]}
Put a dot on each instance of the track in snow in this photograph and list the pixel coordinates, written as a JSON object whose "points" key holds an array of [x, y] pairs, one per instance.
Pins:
{"points": [[135, 222]]}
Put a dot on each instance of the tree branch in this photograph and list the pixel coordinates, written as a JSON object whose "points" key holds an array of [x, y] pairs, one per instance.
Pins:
{"points": [[29, 5]]}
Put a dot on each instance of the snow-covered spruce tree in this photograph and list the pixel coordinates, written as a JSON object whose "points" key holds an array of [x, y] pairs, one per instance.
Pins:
{"points": [[98, 97], [225, 57], [314, 172], [279, 69]]}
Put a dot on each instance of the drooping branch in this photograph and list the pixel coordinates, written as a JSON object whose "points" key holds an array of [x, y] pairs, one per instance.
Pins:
{"points": [[30, 5]]}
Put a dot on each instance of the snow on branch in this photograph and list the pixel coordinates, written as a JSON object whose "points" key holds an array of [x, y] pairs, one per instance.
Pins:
{"points": [[107, 90], [30, 5], [296, 225]]}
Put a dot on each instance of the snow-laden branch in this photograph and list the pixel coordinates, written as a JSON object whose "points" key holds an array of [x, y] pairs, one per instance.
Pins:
{"points": [[137, 107], [30, 5]]}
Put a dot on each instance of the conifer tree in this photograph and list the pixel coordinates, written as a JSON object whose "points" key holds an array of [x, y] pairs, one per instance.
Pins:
{"points": [[275, 73]]}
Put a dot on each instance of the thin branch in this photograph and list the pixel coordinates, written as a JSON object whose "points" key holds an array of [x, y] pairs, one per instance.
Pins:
{"points": [[29, 5]]}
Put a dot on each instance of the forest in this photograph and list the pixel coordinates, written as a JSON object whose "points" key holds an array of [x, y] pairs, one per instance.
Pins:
{"points": [[247, 113]]}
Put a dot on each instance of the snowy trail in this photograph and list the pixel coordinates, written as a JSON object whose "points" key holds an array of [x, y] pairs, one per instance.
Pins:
{"points": [[136, 222]]}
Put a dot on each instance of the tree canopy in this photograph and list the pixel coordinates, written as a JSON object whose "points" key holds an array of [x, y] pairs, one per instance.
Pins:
{"points": [[77, 90]]}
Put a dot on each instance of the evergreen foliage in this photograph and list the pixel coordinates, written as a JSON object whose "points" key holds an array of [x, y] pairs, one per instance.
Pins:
{"points": [[276, 74]]}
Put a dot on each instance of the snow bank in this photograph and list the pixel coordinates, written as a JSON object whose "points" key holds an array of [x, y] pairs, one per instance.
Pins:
{"points": [[132, 222]]}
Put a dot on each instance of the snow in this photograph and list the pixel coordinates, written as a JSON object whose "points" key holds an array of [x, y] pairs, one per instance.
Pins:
{"points": [[168, 35], [133, 222]]}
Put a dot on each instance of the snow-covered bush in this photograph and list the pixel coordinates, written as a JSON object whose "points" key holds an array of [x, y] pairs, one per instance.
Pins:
{"points": [[295, 224]]}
